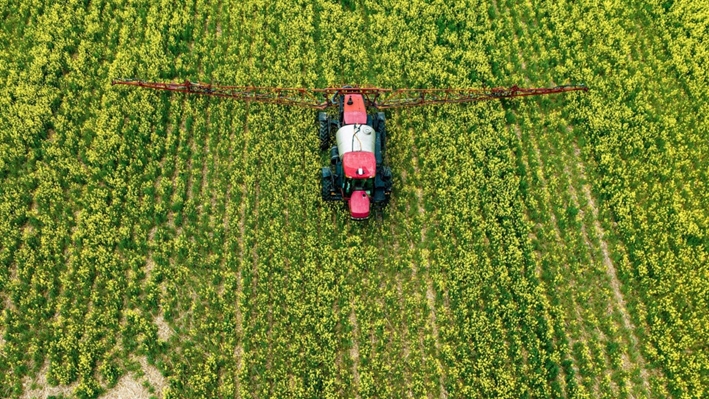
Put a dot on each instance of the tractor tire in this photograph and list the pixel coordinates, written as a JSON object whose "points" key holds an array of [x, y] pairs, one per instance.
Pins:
{"points": [[381, 130], [324, 131], [387, 177], [328, 187]]}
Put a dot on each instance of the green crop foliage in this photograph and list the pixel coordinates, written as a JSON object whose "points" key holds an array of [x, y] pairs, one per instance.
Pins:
{"points": [[551, 247]]}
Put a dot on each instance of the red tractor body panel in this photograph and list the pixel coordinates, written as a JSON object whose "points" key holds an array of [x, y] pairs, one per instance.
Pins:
{"points": [[359, 164], [354, 110], [359, 205]]}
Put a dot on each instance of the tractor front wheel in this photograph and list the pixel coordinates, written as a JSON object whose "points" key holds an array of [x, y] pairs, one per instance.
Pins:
{"points": [[328, 186]]}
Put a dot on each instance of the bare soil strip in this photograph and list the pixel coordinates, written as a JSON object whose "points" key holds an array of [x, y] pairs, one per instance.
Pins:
{"points": [[128, 386], [239, 349], [589, 245], [430, 294], [43, 389], [153, 376], [406, 349], [164, 330], [431, 299], [354, 351], [533, 237], [559, 241], [611, 271]]}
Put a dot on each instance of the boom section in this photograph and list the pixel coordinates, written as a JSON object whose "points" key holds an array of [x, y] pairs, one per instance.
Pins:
{"points": [[270, 95], [298, 96], [400, 98]]}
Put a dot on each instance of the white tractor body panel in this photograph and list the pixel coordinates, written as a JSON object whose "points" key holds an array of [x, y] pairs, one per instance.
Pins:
{"points": [[356, 138]]}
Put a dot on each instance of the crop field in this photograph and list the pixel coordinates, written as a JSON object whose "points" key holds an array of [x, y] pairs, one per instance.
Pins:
{"points": [[157, 244]]}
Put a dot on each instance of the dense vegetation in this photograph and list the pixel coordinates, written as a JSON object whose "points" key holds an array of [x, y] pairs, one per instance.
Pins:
{"points": [[549, 247]]}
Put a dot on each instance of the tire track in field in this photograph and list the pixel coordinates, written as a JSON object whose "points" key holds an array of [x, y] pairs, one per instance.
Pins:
{"points": [[420, 279], [232, 220], [559, 241], [610, 269], [606, 359], [433, 321], [180, 136], [241, 370], [250, 253], [538, 265], [205, 183], [405, 333], [239, 348], [426, 277], [253, 253], [593, 339], [402, 326], [563, 377], [586, 240], [573, 195], [149, 262], [354, 351], [404, 338], [192, 194]]}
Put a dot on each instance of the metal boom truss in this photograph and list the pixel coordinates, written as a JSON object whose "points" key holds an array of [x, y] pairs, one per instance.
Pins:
{"points": [[374, 96]]}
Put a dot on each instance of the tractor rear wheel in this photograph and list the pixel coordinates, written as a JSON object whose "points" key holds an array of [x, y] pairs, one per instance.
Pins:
{"points": [[381, 130], [323, 131]]}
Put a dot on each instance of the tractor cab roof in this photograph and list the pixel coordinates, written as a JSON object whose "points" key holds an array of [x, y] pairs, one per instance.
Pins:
{"points": [[359, 164]]}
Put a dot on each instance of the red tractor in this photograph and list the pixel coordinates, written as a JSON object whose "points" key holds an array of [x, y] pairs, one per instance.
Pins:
{"points": [[357, 173]]}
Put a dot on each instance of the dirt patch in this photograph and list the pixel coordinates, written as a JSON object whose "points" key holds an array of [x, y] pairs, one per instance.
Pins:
{"points": [[164, 330], [128, 388], [149, 264], [151, 234], [9, 304], [43, 389], [131, 386], [154, 377]]}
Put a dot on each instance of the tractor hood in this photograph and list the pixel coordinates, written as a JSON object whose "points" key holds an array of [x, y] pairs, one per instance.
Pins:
{"points": [[359, 205]]}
